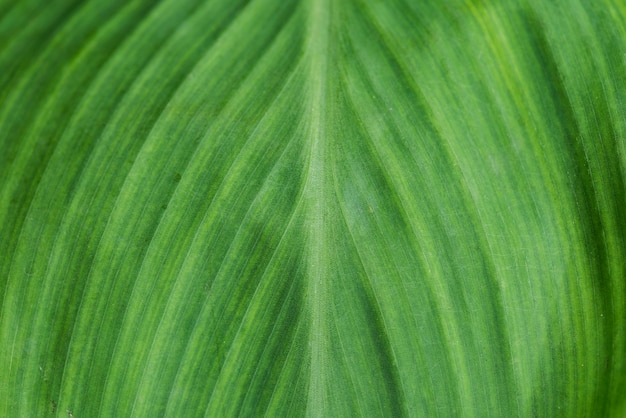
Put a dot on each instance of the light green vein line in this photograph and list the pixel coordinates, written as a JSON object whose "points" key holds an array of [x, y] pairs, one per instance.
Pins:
{"points": [[20, 161], [208, 210], [399, 386], [546, 52], [247, 215], [26, 90], [267, 116], [285, 368], [189, 159], [139, 73], [449, 329], [36, 193], [492, 32], [56, 22], [260, 283], [284, 305], [400, 389], [530, 110], [569, 130], [470, 204], [582, 131], [142, 261], [317, 50]]}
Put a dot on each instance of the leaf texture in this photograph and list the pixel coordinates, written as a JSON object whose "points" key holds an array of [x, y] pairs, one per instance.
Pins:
{"points": [[313, 208]]}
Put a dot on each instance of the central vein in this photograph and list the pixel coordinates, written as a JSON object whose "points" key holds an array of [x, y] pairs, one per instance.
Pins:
{"points": [[316, 191]]}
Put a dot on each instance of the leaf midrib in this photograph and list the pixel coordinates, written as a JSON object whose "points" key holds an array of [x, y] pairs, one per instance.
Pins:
{"points": [[316, 191]]}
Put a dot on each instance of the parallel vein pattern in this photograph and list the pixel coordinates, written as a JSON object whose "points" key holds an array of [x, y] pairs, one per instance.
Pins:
{"points": [[312, 208]]}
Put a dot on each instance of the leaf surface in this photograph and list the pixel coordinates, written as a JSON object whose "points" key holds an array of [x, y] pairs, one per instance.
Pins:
{"points": [[290, 208]]}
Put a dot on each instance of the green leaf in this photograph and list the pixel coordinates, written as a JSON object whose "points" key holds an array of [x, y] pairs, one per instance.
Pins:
{"points": [[323, 208]]}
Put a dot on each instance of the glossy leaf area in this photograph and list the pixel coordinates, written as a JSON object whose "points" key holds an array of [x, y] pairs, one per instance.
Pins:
{"points": [[313, 208]]}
